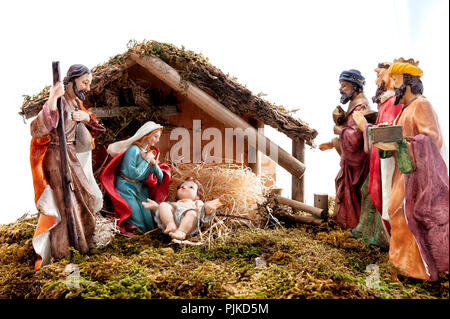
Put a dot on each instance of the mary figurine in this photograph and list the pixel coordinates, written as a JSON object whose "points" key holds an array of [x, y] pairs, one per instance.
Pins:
{"points": [[135, 174]]}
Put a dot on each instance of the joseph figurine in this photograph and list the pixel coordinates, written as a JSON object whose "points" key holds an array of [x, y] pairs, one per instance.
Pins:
{"points": [[51, 238]]}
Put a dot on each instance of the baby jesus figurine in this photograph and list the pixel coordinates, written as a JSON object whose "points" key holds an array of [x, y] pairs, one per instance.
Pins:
{"points": [[185, 216]]}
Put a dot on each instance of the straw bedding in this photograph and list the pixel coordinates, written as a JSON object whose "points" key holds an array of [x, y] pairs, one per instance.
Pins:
{"points": [[238, 188]]}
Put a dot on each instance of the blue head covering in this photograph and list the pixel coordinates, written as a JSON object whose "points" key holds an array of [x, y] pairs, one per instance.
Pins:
{"points": [[353, 76]]}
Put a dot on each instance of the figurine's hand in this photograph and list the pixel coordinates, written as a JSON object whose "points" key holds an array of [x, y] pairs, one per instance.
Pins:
{"points": [[150, 158], [214, 204], [150, 204], [56, 91], [337, 129], [359, 120], [386, 146], [80, 116], [326, 146]]}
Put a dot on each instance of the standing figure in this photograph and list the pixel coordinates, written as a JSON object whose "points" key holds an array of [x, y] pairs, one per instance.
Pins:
{"points": [[418, 203], [373, 226], [51, 238], [184, 216], [350, 146], [135, 174]]}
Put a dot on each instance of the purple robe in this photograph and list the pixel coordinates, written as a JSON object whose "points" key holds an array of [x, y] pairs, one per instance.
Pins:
{"points": [[354, 168], [426, 205]]}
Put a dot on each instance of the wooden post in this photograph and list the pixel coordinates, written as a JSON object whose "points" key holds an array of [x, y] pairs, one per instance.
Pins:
{"points": [[298, 184], [211, 106], [321, 201], [256, 167]]}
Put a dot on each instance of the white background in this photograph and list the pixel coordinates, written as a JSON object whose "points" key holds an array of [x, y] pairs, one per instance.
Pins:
{"points": [[293, 51]]}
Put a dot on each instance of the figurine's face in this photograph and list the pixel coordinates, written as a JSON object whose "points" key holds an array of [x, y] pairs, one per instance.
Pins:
{"points": [[397, 80], [346, 90], [345, 87], [82, 85], [399, 88], [187, 190], [153, 139], [383, 75]]}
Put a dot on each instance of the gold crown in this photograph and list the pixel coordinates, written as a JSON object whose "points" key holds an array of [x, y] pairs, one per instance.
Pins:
{"points": [[410, 61]]}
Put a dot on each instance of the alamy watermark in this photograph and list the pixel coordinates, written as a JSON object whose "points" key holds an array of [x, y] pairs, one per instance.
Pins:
{"points": [[373, 279], [73, 277], [212, 152]]}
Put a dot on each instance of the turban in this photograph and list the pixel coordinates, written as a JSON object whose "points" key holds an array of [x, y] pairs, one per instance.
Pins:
{"points": [[405, 68], [353, 76]]}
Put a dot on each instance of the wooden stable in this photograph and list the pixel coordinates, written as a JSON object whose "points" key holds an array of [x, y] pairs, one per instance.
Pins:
{"points": [[194, 104]]}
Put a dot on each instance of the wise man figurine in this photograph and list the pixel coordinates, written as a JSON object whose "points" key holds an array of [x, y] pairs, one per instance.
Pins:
{"points": [[350, 146], [374, 226], [419, 198]]}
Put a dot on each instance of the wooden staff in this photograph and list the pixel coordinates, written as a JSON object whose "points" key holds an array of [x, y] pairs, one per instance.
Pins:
{"points": [[66, 180]]}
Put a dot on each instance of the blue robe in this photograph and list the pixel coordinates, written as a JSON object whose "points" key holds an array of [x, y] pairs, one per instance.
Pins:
{"points": [[134, 167]]}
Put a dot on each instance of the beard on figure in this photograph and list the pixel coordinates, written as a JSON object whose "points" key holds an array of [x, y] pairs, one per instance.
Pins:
{"points": [[380, 90], [399, 93], [81, 94], [345, 97]]}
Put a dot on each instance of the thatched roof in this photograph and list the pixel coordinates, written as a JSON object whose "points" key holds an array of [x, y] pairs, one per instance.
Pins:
{"points": [[195, 69]]}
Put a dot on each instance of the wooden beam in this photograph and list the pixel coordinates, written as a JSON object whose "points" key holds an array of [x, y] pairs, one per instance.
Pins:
{"points": [[298, 184], [297, 219], [215, 109], [102, 112], [316, 212]]}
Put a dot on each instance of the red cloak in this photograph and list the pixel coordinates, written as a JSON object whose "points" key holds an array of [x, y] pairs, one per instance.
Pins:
{"points": [[387, 113]]}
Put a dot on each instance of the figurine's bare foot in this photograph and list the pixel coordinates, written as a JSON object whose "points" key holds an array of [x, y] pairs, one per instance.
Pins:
{"points": [[170, 228], [178, 235]]}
